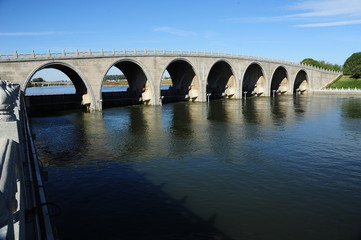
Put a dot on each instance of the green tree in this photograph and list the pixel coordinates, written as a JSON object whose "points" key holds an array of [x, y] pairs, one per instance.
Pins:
{"points": [[310, 62], [38, 80], [115, 77], [352, 65]]}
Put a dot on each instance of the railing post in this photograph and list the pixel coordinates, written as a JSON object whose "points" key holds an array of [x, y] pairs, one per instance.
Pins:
{"points": [[8, 94]]}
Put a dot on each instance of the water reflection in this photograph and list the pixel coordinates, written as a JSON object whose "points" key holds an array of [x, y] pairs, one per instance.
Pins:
{"points": [[132, 131], [351, 108], [255, 110], [280, 110], [68, 142], [300, 105], [181, 125], [351, 114], [218, 170], [217, 111], [186, 129]]}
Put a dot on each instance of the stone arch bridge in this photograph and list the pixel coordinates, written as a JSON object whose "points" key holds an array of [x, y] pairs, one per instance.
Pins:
{"points": [[195, 76]]}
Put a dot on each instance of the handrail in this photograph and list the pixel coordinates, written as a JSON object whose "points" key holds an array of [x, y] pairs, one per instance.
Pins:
{"points": [[141, 53], [46, 229]]}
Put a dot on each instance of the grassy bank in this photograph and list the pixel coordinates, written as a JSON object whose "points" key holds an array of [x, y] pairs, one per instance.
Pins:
{"points": [[125, 83], [345, 81], [116, 83]]}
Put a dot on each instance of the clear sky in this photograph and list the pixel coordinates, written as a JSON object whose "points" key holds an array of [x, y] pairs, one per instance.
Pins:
{"points": [[327, 30]]}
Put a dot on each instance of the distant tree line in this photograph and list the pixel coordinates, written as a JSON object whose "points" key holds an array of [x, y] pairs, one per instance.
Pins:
{"points": [[38, 80], [322, 64], [115, 77]]}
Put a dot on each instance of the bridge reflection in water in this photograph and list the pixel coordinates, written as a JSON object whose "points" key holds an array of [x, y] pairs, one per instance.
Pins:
{"points": [[258, 168]]}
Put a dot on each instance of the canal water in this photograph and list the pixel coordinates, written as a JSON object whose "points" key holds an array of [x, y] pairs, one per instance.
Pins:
{"points": [[70, 89], [261, 168]]}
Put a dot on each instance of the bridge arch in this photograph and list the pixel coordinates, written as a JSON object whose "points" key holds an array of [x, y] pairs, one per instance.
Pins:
{"points": [[301, 83], [139, 89], [74, 75], [221, 80], [83, 92], [185, 81], [279, 82], [254, 80]]}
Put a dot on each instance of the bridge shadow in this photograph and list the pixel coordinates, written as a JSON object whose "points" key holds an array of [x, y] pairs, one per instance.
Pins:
{"points": [[121, 203]]}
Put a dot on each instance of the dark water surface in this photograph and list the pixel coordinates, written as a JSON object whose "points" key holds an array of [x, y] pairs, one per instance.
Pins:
{"points": [[71, 89], [283, 168]]}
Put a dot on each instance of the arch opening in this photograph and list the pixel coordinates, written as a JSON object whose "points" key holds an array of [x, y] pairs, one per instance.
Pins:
{"points": [[301, 83], [221, 81], [56, 87], [279, 82], [183, 82], [254, 82], [166, 81], [125, 84]]}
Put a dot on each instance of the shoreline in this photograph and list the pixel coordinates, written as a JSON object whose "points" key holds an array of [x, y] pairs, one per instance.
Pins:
{"points": [[125, 83]]}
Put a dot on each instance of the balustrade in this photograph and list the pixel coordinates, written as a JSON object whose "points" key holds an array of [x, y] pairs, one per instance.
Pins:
{"points": [[145, 52], [19, 165]]}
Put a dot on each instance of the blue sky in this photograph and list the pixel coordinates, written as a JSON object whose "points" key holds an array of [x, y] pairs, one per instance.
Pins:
{"points": [[327, 30]]}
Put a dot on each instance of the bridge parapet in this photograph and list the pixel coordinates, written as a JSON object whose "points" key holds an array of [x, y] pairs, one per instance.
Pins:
{"points": [[146, 53], [20, 179]]}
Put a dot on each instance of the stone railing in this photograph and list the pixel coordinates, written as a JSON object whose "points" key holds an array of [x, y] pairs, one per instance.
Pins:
{"points": [[338, 91], [132, 53], [10, 174], [19, 173]]}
